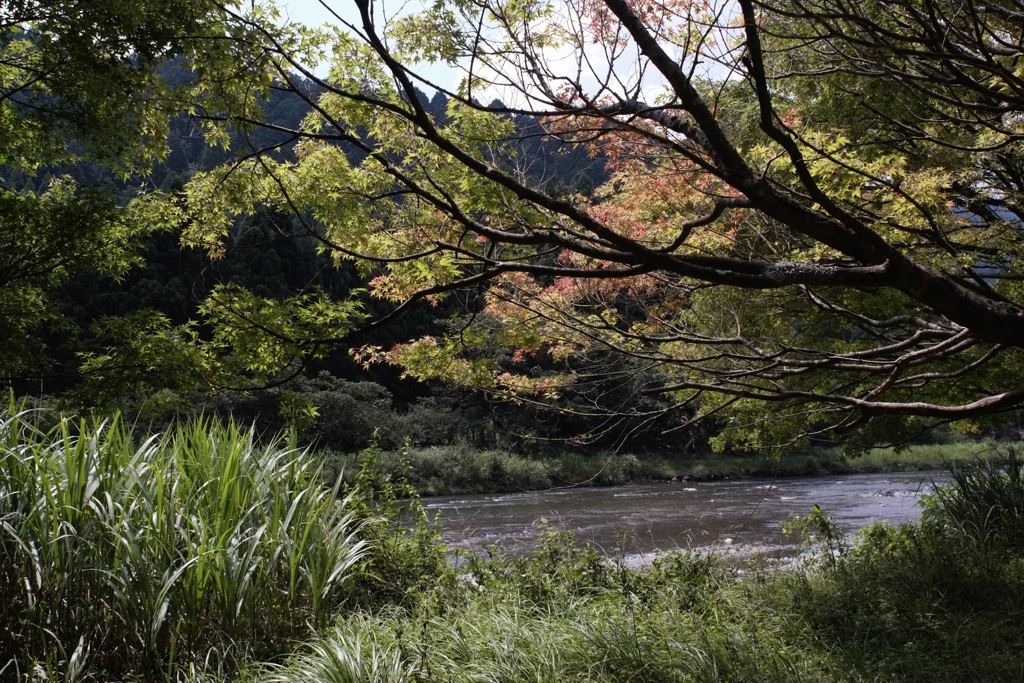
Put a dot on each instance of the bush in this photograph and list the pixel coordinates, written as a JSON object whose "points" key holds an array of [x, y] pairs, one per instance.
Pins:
{"points": [[437, 421], [597, 469], [350, 415], [460, 467], [405, 558], [929, 602]]}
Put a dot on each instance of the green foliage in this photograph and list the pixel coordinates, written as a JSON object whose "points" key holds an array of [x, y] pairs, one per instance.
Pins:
{"points": [[265, 332], [556, 571], [405, 559], [146, 361], [358, 653], [816, 241], [48, 238], [931, 601], [69, 72], [198, 548], [983, 504], [588, 623], [819, 532], [88, 90], [910, 603], [425, 194], [463, 468], [351, 416]]}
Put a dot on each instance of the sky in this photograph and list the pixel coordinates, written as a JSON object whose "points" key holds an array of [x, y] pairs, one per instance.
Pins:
{"points": [[313, 13]]}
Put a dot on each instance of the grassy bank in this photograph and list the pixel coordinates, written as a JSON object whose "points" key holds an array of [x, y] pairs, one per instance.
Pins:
{"points": [[201, 556], [940, 601], [832, 461], [126, 557], [462, 469]]}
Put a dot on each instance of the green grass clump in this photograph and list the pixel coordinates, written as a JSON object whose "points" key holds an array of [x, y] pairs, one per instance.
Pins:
{"points": [[196, 550], [920, 602], [983, 504], [564, 614]]}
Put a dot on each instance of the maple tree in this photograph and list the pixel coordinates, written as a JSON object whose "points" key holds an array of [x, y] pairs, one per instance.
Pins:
{"points": [[814, 211]]}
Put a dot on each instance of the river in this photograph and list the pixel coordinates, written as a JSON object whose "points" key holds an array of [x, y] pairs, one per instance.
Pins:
{"points": [[634, 521]]}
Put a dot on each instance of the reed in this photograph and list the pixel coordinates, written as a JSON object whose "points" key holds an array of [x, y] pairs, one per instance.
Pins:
{"points": [[197, 548], [983, 504]]}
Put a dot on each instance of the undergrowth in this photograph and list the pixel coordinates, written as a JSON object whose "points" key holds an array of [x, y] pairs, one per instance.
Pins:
{"points": [[196, 550], [201, 555], [461, 468], [920, 602]]}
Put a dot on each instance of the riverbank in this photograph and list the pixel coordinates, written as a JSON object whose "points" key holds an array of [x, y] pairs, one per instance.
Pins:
{"points": [[460, 469], [207, 556], [914, 603]]}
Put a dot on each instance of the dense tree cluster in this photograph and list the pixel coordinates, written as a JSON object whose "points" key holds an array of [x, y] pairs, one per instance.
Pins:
{"points": [[82, 101], [672, 210]]}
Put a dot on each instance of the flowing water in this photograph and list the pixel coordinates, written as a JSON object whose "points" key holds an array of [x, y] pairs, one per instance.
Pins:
{"points": [[636, 520]]}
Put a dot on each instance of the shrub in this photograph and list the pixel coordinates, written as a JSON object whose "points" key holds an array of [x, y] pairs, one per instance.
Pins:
{"points": [[350, 415], [933, 601], [405, 558], [558, 569], [435, 421]]}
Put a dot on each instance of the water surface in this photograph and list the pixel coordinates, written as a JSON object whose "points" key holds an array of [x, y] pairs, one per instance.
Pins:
{"points": [[644, 518]]}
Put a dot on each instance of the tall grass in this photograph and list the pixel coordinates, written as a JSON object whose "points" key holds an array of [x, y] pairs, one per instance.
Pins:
{"points": [[461, 468], [614, 631], [195, 548], [983, 503]]}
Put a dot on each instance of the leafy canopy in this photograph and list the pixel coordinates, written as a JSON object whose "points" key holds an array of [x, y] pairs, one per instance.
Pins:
{"points": [[811, 206], [87, 91]]}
